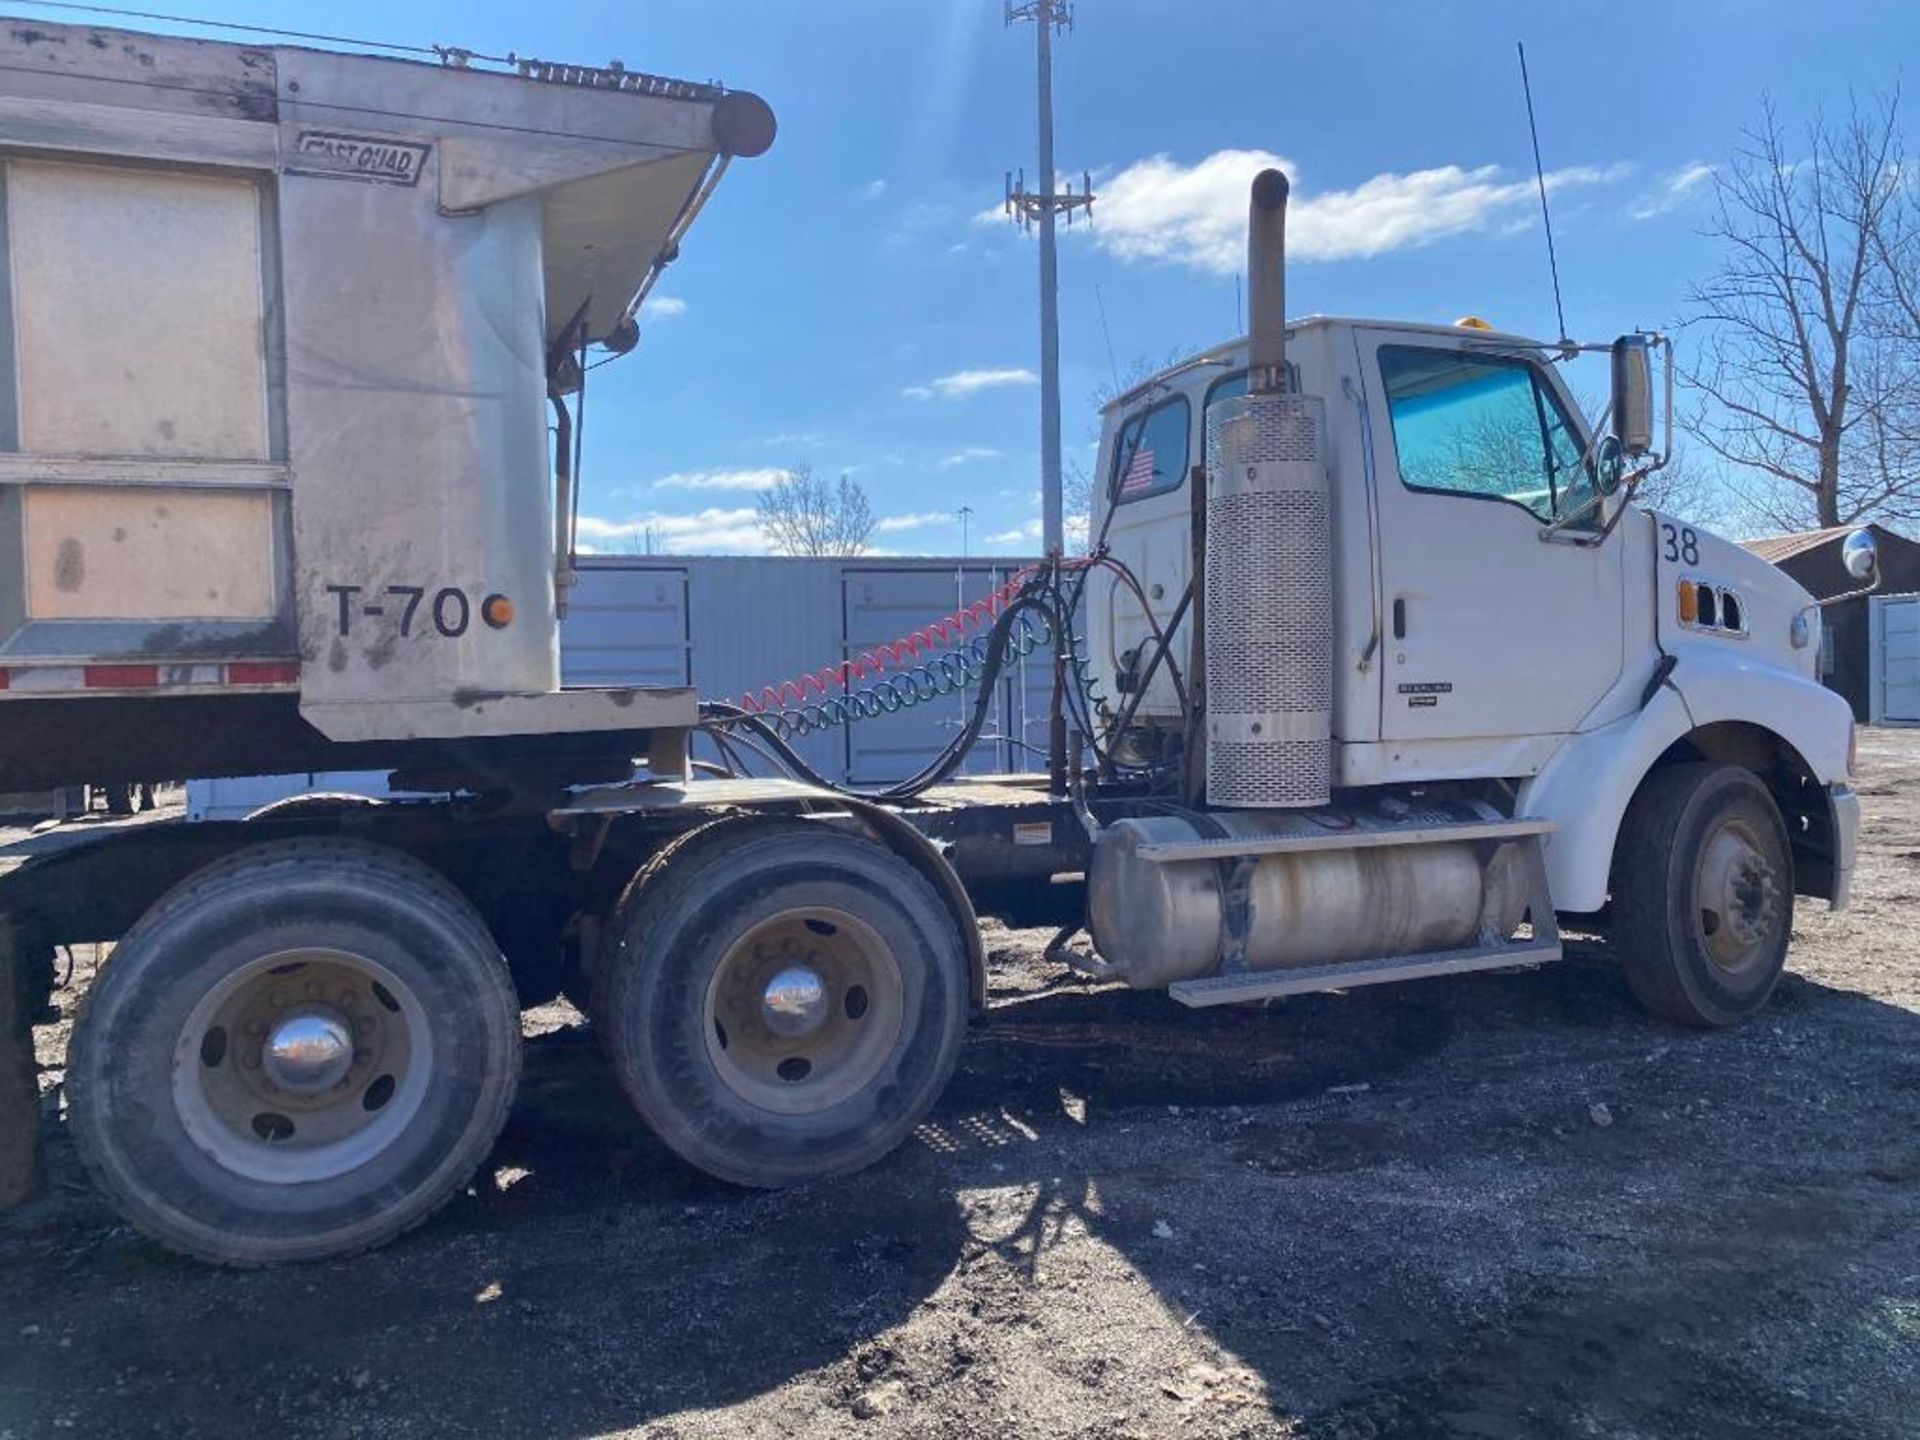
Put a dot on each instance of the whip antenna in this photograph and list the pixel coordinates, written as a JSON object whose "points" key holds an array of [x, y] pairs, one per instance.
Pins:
{"points": [[1540, 175]]}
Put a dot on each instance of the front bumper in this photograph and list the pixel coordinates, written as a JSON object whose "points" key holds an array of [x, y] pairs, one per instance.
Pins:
{"points": [[1844, 807]]}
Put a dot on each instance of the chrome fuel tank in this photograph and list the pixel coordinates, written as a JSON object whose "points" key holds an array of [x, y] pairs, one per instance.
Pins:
{"points": [[1156, 922]]}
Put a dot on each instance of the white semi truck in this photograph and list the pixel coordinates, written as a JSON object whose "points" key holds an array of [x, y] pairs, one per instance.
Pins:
{"points": [[1382, 670]]}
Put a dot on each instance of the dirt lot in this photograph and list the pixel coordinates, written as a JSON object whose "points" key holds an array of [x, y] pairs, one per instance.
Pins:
{"points": [[1498, 1206]]}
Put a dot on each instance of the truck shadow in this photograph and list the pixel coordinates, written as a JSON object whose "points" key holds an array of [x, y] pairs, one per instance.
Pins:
{"points": [[592, 1283]]}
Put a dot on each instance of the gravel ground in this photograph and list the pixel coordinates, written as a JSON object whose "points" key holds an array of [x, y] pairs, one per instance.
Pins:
{"points": [[1495, 1206]]}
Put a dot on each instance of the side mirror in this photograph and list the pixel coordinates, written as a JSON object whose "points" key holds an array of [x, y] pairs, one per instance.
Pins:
{"points": [[1633, 395], [1861, 555], [1609, 466]]}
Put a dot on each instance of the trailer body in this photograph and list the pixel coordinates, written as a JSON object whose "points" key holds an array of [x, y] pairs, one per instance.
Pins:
{"points": [[277, 355]]}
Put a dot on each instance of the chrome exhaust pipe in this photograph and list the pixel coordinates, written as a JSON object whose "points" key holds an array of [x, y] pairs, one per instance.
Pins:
{"points": [[1267, 284]]}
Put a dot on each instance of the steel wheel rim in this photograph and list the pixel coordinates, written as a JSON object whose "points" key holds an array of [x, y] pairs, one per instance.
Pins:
{"points": [[259, 1081], [803, 1010], [1737, 897]]}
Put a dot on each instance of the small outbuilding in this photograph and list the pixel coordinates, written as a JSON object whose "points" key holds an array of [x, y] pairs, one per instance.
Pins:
{"points": [[1847, 659]]}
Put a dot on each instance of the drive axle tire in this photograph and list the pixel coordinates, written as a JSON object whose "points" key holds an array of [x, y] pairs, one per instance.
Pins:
{"points": [[301, 1051], [782, 1000], [1703, 894]]}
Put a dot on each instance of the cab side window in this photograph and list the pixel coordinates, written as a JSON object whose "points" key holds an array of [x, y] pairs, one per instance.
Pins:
{"points": [[1484, 426], [1150, 456]]}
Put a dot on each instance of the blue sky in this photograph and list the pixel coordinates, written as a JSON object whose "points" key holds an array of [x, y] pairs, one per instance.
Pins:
{"points": [[843, 303]]}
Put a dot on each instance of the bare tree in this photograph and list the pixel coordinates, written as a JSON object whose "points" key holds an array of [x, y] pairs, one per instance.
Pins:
{"points": [[1806, 386], [1076, 504], [1685, 489], [640, 540], [803, 515]]}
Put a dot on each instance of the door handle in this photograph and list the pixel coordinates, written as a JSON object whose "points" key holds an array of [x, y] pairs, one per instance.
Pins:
{"points": [[1399, 618]]}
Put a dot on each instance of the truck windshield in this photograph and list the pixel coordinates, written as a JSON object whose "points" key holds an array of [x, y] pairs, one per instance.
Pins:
{"points": [[1486, 426]]}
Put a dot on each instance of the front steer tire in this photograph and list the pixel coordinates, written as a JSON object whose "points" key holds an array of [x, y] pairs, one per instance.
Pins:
{"points": [[299, 1052], [781, 1000], [1703, 894]]}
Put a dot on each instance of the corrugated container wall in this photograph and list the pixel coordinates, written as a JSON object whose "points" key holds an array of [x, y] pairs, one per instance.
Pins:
{"points": [[730, 625]]}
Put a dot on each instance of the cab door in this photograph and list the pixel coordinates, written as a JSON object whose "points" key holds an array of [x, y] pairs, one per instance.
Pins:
{"points": [[1145, 482], [1492, 629]]}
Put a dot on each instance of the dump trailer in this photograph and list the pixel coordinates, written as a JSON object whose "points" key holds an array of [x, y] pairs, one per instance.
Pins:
{"points": [[1372, 670]]}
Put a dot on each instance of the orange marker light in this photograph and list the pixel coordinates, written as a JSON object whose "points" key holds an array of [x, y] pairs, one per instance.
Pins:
{"points": [[497, 611], [1689, 603]]}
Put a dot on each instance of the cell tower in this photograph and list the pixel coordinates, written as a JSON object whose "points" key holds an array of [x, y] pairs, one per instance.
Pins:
{"points": [[1045, 206]]}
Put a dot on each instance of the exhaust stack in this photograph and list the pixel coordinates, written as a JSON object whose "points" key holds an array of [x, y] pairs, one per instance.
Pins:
{"points": [[1269, 558], [1267, 284]]}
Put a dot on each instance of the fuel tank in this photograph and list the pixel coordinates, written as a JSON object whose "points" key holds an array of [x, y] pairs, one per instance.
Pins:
{"points": [[1156, 922]]}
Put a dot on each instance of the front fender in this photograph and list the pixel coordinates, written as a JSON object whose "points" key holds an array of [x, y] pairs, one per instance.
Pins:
{"points": [[1586, 787]]}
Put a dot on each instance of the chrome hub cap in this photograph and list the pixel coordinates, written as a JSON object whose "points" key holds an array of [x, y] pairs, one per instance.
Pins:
{"points": [[795, 1002], [309, 1050], [302, 1065], [803, 1010]]}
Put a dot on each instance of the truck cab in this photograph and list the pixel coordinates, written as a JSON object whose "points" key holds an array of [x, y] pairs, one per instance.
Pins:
{"points": [[1499, 615]]}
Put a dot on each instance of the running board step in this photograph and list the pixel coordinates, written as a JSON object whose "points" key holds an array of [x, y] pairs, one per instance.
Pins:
{"points": [[1270, 984], [1228, 847]]}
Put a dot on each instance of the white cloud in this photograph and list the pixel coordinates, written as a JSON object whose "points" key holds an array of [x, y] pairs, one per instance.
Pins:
{"points": [[1026, 539], [894, 524], [663, 307], [968, 454], [1027, 534], [758, 478], [1673, 191], [1158, 209], [962, 383], [873, 189], [713, 531]]}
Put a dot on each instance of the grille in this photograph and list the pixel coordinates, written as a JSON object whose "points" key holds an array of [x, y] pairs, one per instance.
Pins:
{"points": [[1269, 595]]}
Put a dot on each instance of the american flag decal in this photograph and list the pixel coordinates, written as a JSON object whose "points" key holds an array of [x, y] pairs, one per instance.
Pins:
{"points": [[1140, 473]]}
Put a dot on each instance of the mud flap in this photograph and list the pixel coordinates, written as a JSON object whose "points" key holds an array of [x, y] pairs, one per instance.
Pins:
{"points": [[19, 1087]]}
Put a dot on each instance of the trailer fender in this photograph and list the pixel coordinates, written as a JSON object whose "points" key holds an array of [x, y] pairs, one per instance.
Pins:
{"points": [[1586, 787]]}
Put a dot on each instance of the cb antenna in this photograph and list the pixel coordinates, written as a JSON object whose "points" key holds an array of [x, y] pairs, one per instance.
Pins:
{"points": [[1540, 175]]}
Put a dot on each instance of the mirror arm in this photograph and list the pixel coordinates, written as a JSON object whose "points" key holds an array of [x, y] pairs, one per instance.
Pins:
{"points": [[1632, 482], [1840, 599], [1599, 537], [1665, 342]]}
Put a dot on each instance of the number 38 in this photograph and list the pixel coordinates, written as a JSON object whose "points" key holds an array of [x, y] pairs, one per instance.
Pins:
{"points": [[1682, 544]]}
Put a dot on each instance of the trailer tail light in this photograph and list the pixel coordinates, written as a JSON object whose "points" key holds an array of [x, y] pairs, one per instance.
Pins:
{"points": [[263, 672], [3, 679], [121, 677], [497, 611]]}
